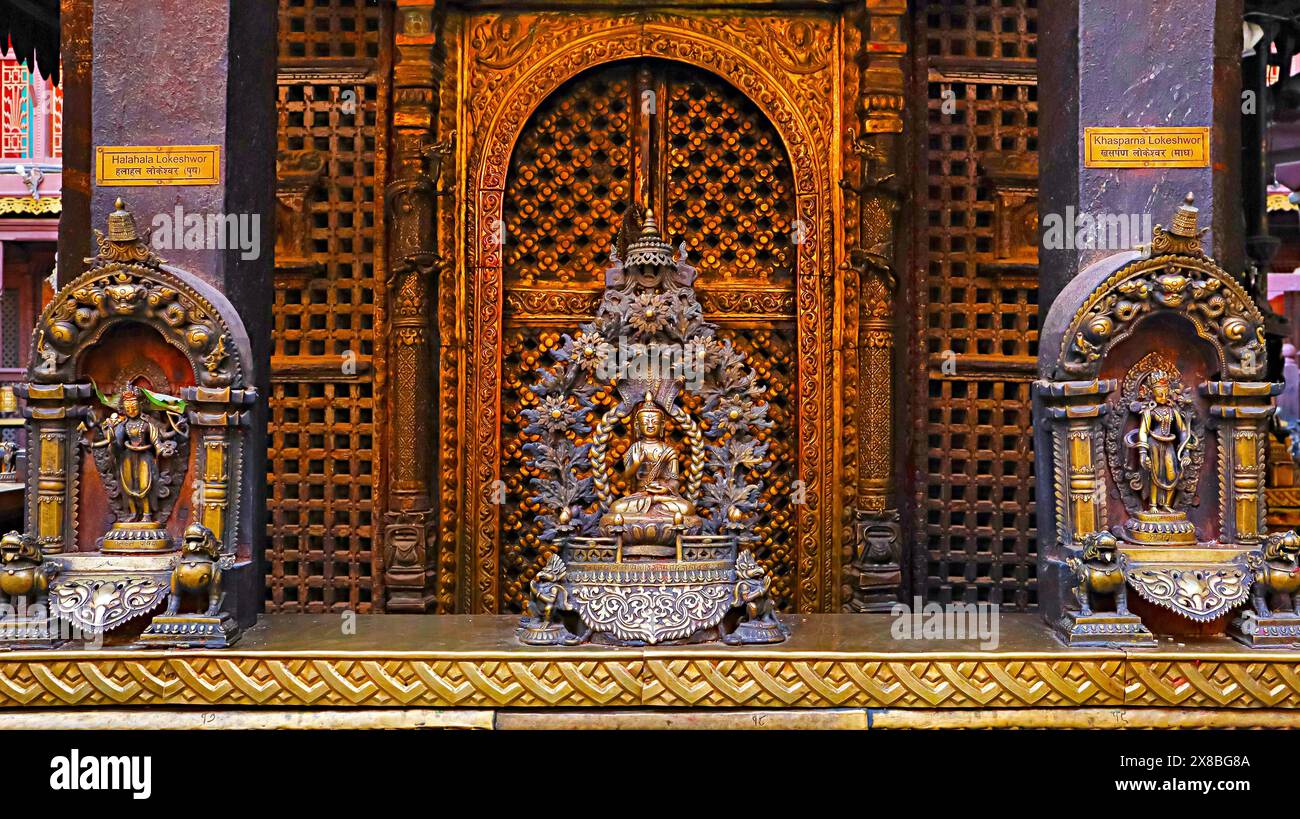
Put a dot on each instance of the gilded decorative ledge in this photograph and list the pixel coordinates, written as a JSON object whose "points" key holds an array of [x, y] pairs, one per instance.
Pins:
{"points": [[472, 662]]}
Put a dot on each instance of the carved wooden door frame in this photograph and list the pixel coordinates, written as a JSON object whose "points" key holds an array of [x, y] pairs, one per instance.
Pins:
{"points": [[828, 78], [507, 77]]}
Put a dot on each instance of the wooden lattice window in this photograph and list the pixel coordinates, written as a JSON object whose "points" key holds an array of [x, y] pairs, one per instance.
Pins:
{"points": [[343, 30], [10, 329], [977, 316], [322, 448], [724, 186]]}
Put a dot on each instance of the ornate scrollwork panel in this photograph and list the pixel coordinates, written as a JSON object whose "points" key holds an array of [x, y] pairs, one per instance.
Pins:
{"points": [[124, 284], [103, 601], [1200, 593], [1193, 287], [651, 613]]}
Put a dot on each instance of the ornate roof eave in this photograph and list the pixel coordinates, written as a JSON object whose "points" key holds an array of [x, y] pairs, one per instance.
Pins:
{"points": [[28, 206]]}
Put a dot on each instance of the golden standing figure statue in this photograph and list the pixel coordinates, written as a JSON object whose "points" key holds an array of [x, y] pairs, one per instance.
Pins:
{"points": [[655, 509], [1163, 438], [136, 441]]}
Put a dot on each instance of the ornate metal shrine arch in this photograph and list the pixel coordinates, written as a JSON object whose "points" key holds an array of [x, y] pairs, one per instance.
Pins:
{"points": [[129, 283], [522, 71], [125, 284], [1193, 287]]}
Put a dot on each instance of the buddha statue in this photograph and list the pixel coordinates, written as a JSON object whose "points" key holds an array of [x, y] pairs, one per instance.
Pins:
{"points": [[654, 511]]}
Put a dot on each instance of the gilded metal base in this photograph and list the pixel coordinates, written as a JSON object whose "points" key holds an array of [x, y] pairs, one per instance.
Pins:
{"points": [[598, 594], [190, 631], [1104, 629], [137, 537], [1277, 631], [652, 602]]}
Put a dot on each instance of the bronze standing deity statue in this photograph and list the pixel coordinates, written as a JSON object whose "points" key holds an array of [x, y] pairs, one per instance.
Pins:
{"points": [[141, 455], [137, 442], [1162, 439], [1158, 460]]}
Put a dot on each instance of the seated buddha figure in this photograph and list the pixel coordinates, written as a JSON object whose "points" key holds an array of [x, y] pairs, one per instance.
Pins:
{"points": [[654, 510]]}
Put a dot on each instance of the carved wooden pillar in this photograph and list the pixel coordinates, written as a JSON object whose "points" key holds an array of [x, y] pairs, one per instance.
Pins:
{"points": [[874, 576], [55, 410], [1241, 409], [413, 261], [221, 413], [76, 23]]}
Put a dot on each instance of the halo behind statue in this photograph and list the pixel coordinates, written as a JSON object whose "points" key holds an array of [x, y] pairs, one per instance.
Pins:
{"points": [[650, 558]]}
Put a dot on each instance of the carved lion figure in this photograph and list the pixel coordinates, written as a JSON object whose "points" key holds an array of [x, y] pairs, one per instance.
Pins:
{"points": [[1100, 572], [198, 570], [24, 572], [753, 590], [1277, 577], [547, 594]]}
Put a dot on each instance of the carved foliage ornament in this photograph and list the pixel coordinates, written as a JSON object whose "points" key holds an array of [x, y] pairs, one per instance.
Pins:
{"points": [[1201, 593], [126, 281], [652, 613], [650, 302], [100, 603], [1183, 281]]}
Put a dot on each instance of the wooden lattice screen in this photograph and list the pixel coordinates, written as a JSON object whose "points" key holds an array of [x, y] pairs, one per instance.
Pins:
{"points": [[976, 319], [322, 433]]}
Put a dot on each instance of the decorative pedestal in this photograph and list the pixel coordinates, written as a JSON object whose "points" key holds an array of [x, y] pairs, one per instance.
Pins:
{"points": [[652, 602], [137, 537], [1278, 631], [610, 601], [1200, 584], [39, 631], [533, 632], [98, 593], [1104, 629], [1160, 528], [751, 632], [190, 631]]}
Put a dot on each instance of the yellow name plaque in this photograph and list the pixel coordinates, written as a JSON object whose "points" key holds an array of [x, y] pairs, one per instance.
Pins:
{"points": [[143, 165], [1156, 147]]}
